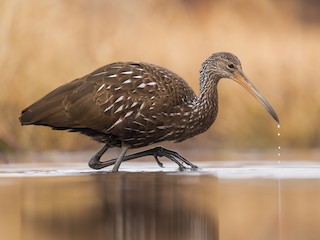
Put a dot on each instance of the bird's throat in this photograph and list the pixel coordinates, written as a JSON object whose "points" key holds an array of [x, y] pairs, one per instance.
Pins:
{"points": [[205, 108]]}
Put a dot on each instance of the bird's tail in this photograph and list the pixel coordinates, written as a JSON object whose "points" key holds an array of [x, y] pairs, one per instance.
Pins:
{"points": [[50, 110]]}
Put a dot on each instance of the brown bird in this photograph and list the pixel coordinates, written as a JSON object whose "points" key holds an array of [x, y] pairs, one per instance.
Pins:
{"points": [[134, 104]]}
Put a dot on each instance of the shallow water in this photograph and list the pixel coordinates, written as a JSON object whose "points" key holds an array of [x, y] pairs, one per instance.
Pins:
{"points": [[222, 200]]}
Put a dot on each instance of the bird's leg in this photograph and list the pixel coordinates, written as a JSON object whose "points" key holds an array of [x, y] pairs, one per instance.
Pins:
{"points": [[116, 166], [156, 152], [95, 162]]}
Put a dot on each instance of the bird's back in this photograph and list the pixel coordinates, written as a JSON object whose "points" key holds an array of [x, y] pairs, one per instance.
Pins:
{"points": [[131, 102]]}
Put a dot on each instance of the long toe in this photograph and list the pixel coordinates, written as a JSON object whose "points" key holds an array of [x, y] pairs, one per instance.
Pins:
{"points": [[194, 167], [182, 168], [158, 161]]}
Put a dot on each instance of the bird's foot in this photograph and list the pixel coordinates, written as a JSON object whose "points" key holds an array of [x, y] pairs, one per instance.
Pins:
{"points": [[173, 156], [156, 152]]}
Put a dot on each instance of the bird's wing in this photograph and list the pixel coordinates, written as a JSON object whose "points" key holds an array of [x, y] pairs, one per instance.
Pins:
{"points": [[121, 95], [117, 95]]}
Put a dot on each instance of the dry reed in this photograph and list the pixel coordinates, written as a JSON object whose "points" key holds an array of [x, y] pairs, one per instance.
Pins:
{"points": [[47, 43]]}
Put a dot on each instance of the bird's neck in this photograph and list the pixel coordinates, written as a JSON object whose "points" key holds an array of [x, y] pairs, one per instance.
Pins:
{"points": [[206, 104]]}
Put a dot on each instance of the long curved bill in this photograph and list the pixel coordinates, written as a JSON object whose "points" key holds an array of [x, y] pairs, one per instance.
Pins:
{"points": [[247, 84]]}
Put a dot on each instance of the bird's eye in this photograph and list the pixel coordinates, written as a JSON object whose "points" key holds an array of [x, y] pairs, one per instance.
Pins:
{"points": [[230, 66]]}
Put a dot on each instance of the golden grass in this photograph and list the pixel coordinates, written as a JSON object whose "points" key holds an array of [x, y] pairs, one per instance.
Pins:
{"points": [[45, 44]]}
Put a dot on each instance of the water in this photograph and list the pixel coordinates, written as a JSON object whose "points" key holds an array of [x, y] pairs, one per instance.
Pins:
{"points": [[223, 200], [279, 208], [80, 204]]}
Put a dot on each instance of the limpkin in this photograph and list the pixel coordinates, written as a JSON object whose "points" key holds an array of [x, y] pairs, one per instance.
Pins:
{"points": [[135, 104]]}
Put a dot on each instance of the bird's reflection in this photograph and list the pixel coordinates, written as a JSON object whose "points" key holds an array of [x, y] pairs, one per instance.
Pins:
{"points": [[123, 206]]}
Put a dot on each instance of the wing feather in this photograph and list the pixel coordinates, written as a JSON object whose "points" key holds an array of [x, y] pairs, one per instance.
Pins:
{"points": [[113, 98]]}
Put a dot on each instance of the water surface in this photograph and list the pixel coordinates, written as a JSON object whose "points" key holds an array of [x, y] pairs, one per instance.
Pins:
{"points": [[223, 200]]}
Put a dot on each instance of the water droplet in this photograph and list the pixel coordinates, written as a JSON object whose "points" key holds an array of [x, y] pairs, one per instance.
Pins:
{"points": [[279, 148], [279, 193]]}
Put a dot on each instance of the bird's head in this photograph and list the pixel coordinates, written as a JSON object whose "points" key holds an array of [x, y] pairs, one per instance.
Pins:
{"points": [[227, 65]]}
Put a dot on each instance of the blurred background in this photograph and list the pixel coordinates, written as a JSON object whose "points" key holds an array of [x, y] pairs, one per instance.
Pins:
{"points": [[44, 44]]}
